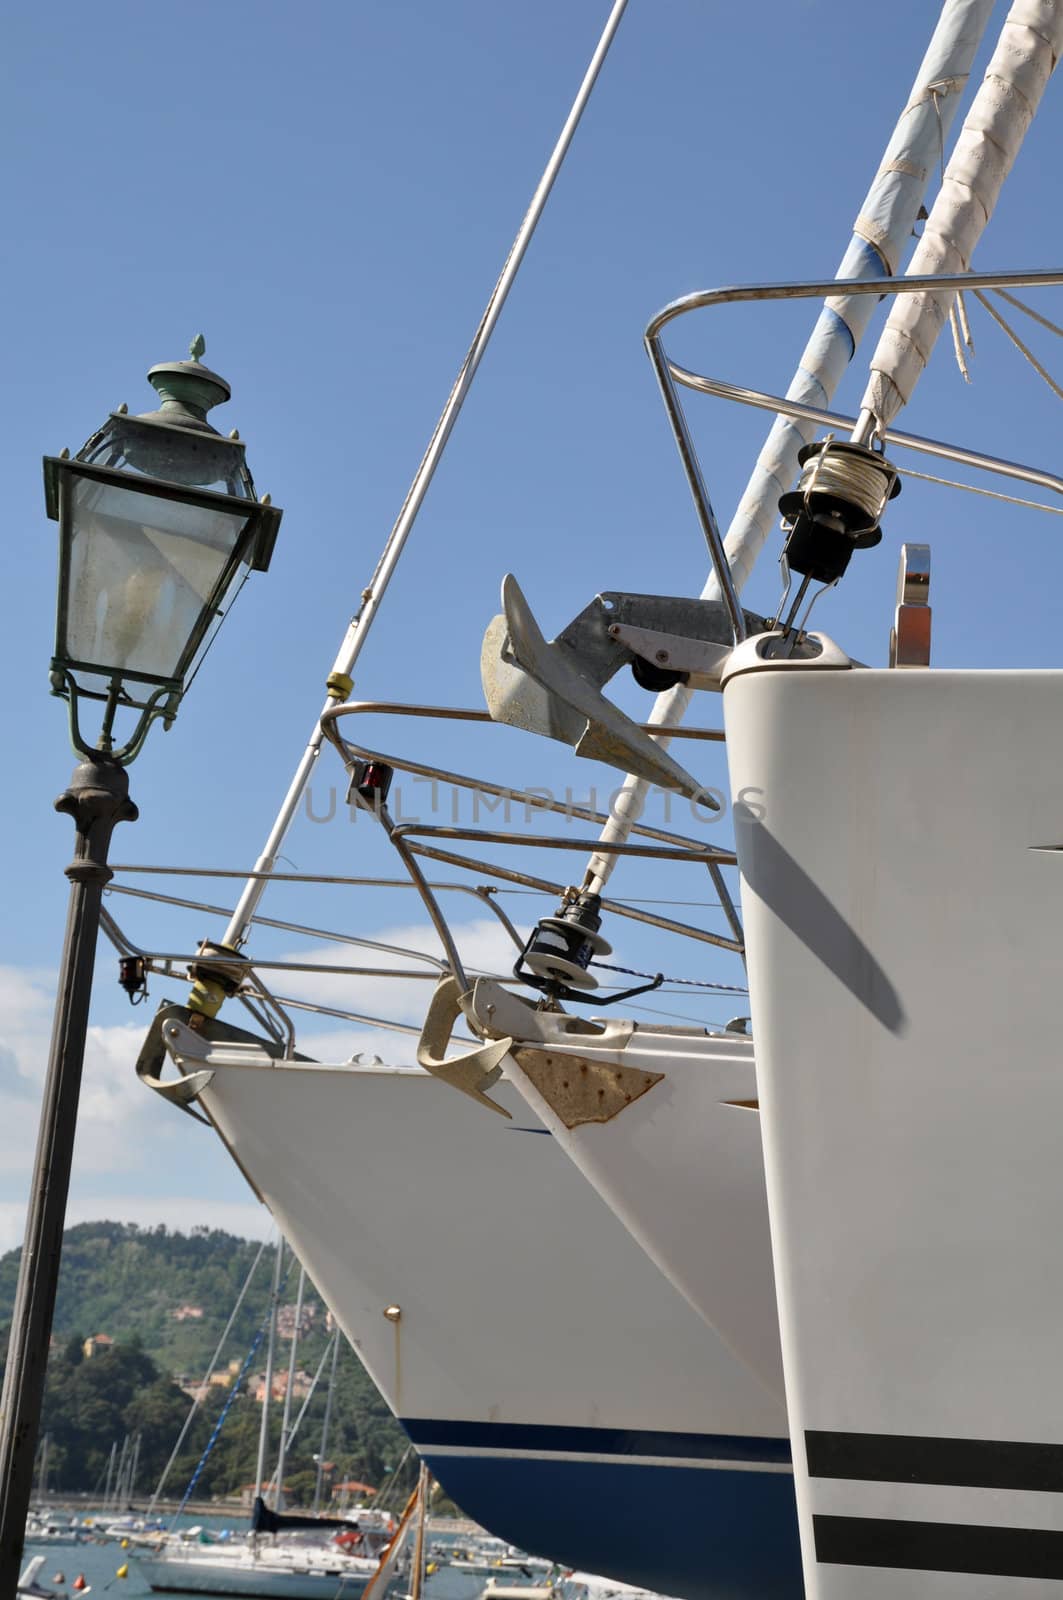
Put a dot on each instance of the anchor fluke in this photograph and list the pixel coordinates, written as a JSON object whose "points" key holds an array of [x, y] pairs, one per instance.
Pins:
{"points": [[471, 1073], [553, 688]]}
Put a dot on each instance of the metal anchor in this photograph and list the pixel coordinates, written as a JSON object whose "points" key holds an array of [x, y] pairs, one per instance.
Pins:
{"points": [[554, 688], [471, 1073]]}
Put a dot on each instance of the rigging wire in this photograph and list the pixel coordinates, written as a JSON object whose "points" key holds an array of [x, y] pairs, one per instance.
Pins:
{"points": [[371, 597], [1024, 349], [688, 983], [293, 1429], [393, 1480], [1020, 305], [201, 1391], [683, 1016], [990, 494], [227, 1407]]}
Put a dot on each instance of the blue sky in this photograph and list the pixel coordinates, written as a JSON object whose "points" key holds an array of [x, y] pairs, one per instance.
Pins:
{"points": [[328, 191]]}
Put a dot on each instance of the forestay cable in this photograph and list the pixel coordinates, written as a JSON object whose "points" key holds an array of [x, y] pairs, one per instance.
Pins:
{"points": [[357, 632]]}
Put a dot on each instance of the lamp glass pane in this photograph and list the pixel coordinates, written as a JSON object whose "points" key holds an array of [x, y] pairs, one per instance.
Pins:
{"points": [[142, 569]]}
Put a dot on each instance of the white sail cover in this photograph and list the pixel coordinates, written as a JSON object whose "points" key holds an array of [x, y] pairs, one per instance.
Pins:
{"points": [[881, 231], [992, 134]]}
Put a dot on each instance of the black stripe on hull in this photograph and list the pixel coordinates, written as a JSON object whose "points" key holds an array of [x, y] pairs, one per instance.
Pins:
{"points": [[961, 1463], [938, 1547]]}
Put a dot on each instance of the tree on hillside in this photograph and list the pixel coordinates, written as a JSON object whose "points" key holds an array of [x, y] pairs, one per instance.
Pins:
{"points": [[127, 1283], [88, 1405]]}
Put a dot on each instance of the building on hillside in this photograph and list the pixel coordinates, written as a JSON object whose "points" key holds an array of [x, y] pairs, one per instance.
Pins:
{"points": [[350, 1489], [187, 1314], [286, 1320], [301, 1386], [197, 1389], [96, 1344]]}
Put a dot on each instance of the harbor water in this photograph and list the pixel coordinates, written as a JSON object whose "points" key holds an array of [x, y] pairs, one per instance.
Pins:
{"points": [[99, 1562]]}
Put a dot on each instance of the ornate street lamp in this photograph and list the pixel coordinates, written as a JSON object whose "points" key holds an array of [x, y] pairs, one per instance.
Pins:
{"points": [[158, 526], [157, 521]]}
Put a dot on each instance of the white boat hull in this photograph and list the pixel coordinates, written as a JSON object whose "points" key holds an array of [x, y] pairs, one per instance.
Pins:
{"points": [[901, 894], [682, 1167], [563, 1392], [184, 1574]]}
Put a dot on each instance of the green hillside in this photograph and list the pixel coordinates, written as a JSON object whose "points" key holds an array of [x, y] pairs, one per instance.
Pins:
{"points": [[142, 1289]]}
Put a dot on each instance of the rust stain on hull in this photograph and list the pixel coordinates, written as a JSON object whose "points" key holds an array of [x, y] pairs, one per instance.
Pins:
{"points": [[580, 1089]]}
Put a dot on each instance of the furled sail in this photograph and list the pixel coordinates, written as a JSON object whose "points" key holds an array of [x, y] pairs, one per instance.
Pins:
{"points": [[990, 139], [883, 226]]}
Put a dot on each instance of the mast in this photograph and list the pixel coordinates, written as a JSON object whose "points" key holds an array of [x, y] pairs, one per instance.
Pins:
{"points": [[883, 226], [134, 1463], [263, 1432], [417, 1577], [339, 680], [202, 1389], [326, 1419], [121, 1471], [381, 1578], [1030, 44], [278, 1499], [110, 1474]]}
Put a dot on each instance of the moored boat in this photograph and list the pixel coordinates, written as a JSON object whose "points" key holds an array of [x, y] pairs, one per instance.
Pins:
{"points": [[266, 1571], [565, 1395]]}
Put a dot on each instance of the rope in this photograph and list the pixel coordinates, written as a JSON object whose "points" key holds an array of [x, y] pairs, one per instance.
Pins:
{"points": [[1017, 342], [688, 983], [961, 334], [836, 472]]}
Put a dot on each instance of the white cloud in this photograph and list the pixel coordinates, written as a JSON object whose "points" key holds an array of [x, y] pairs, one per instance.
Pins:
{"points": [[137, 1160], [483, 944], [111, 1098]]}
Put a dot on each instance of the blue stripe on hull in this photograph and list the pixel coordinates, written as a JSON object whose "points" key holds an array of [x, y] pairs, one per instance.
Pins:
{"points": [[705, 1533]]}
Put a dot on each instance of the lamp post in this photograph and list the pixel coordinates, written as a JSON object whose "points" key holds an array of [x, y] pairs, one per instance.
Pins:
{"points": [[158, 525]]}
